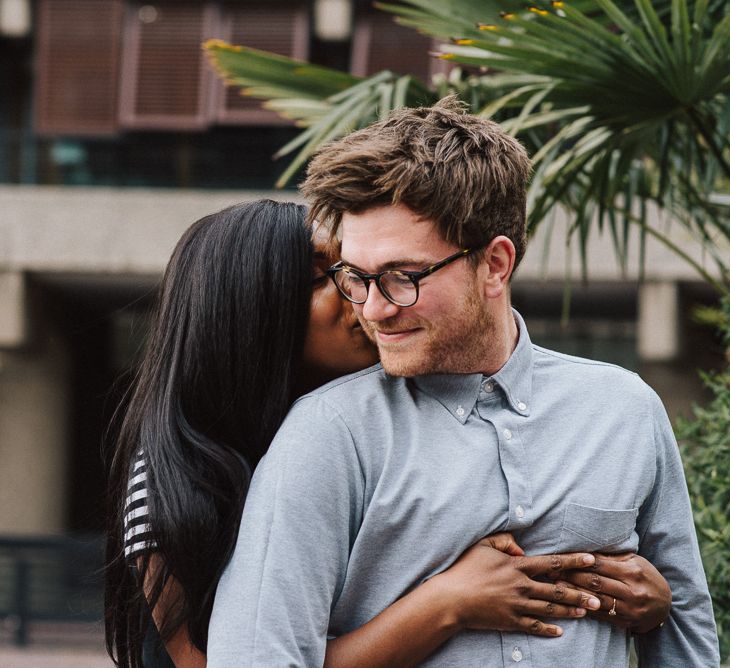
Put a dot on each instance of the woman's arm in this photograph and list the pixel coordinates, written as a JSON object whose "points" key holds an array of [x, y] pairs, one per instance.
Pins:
{"points": [[490, 587], [182, 651]]}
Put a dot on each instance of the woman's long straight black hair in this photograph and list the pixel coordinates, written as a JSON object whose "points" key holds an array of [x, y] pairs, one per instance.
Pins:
{"points": [[214, 384]]}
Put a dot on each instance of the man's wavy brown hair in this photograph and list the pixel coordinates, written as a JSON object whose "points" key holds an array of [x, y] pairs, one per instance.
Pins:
{"points": [[461, 171]]}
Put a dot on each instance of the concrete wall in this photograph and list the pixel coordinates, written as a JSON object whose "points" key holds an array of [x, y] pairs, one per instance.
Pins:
{"points": [[111, 230], [125, 230]]}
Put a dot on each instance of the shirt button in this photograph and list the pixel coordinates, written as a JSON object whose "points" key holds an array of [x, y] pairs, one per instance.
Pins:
{"points": [[460, 411], [488, 386], [516, 655], [522, 406], [507, 434], [520, 512]]}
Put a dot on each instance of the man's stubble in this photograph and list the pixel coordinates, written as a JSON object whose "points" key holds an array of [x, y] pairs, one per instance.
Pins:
{"points": [[456, 344]]}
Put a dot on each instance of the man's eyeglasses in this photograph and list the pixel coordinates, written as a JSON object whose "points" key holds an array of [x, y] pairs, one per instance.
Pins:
{"points": [[398, 286]]}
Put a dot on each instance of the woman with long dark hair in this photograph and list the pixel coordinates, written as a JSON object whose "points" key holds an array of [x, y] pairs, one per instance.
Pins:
{"points": [[246, 321]]}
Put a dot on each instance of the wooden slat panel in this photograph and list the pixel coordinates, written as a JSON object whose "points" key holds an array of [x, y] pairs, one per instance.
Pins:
{"points": [[77, 65], [165, 81], [379, 43], [280, 28]]}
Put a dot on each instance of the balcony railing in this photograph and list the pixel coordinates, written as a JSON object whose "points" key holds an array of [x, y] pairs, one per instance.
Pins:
{"points": [[50, 582]]}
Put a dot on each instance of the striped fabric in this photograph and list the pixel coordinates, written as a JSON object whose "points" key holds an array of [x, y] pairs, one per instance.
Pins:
{"points": [[138, 535]]}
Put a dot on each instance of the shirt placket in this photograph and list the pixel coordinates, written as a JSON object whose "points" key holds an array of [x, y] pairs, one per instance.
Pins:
{"points": [[515, 650], [493, 407]]}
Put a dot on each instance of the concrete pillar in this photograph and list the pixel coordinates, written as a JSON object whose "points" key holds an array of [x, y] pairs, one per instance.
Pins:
{"points": [[33, 436], [13, 310], [658, 327]]}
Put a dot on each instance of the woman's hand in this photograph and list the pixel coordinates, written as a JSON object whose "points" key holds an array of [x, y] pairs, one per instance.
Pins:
{"points": [[642, 596], [491, 587]]}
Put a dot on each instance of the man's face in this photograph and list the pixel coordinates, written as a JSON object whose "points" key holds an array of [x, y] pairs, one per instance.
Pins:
{"points": [[447, 329]]}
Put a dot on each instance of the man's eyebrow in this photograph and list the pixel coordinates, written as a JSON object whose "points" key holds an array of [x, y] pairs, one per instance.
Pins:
{"points": [[392, 264]]}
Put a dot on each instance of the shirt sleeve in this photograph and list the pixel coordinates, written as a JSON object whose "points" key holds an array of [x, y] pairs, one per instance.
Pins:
{"points": [[138, 535], [667, 539], [302, 514]]}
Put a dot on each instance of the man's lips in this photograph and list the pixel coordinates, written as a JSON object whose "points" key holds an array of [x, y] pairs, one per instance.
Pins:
{"points": [[394, 335]]}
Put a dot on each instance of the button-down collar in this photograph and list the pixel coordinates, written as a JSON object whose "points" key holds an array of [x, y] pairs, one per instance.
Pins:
{"points": [[458, 393], [515, 377]]}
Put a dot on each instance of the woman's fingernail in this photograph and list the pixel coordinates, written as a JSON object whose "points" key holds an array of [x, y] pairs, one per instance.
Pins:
{"points": [[589, 559], [594, 603]]}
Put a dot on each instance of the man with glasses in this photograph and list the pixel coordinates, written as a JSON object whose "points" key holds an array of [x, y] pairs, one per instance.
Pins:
{"points": [[376, 482]]}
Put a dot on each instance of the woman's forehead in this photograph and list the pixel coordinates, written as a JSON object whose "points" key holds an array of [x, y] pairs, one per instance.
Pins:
{"points": [[320, 234], [324, 245]]}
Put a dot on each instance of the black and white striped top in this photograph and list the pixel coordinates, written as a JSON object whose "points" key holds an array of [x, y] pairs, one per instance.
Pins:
{"points": [[138, 535]]}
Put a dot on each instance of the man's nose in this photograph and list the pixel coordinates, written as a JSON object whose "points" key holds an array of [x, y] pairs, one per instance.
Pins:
{"points": [[376, 306]]}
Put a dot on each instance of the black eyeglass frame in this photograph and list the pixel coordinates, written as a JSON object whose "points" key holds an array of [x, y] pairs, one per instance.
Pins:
{"points": [[413, 276]]}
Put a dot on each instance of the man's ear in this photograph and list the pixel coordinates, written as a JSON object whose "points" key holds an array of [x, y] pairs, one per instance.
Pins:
{"points": [[496, 266]]}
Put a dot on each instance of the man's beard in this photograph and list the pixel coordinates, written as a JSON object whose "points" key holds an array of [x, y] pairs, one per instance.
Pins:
{"points": [[458, 345]]}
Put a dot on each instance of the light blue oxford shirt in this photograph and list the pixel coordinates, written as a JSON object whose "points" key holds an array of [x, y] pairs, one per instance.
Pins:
{"points": [[374, 484]]}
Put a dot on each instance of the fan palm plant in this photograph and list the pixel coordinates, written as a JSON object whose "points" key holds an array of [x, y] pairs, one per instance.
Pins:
{"points": [[625, 107]]}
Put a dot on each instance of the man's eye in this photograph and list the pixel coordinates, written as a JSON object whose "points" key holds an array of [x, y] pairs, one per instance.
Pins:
{"points": [[399, 278]]}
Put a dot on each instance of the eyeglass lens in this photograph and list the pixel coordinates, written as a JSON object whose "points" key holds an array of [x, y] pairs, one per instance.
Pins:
{"points": [[397, 287]]}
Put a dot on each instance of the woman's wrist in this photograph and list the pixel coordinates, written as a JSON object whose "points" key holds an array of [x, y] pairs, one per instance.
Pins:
{"points": [[447, 602]]}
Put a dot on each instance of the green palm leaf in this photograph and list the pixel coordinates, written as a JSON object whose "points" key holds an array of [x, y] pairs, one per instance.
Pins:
{"points": [[326, 102], [639, 85]]}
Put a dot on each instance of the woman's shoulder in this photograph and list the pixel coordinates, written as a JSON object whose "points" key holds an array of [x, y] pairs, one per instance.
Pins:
{"points": [[344, 384]]}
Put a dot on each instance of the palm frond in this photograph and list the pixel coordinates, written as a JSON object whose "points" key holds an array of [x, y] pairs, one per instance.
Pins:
{"points": [[327, 103], [628, 111]]}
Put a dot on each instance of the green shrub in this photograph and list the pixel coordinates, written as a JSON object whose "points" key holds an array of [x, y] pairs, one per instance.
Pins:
{"points": [[705, 442]]}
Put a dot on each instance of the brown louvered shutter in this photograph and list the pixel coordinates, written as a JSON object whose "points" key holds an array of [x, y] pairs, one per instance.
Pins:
{"points": [[166, 83], [77, 65], [379, 43], [281, 28]]}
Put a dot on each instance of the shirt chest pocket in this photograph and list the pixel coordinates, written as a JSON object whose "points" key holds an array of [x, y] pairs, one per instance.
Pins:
{"points": [[598, 529]]}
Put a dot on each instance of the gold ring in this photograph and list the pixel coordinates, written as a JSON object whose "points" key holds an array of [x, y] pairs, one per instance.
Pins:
{"points": [[612, 611]]}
